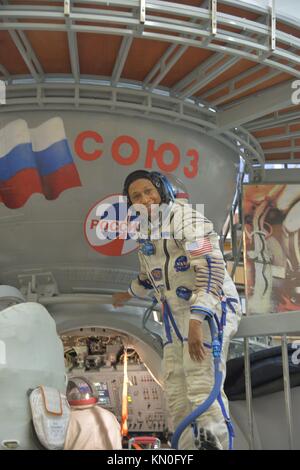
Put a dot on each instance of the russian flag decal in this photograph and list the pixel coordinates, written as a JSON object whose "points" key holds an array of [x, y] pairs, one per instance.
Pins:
{"points": [[35, 161]]}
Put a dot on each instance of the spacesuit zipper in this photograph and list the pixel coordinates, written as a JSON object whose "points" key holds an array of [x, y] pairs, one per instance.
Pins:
{"points": [[167, 265]]}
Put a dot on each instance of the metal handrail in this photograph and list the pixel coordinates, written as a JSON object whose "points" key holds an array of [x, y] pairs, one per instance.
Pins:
{"points": [[281, 324], [230, 226]]}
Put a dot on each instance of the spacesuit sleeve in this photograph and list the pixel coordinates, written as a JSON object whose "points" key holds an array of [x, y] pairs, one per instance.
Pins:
{"points": [[72, 440], [141, 286], [116, 434], [202, 248]]}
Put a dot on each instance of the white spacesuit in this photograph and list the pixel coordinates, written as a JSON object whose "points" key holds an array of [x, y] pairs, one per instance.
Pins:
{"points": [[187, 268], [90, 427], [31, 353]]}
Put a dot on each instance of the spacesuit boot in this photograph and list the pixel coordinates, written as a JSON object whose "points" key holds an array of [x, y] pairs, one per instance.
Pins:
{"points": [[206, 440]]}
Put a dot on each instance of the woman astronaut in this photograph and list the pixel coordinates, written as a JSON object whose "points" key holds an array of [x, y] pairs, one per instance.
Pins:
{"points": [[185, 270]]}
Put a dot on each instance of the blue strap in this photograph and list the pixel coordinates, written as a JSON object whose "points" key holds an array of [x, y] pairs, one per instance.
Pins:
{"points": [[168, 312], [230, 301], [202, 310], [145, 283], [195, 429], [224, 312], [228, 421], [208, 260], [199, 312], [167, 325], [217, 322]]}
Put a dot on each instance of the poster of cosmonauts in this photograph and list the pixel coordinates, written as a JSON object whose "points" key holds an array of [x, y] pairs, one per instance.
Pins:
{"points": [[271, 214]]}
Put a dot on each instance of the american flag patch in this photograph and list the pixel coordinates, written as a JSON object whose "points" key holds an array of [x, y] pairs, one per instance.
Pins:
{"points": [[199, 247]]}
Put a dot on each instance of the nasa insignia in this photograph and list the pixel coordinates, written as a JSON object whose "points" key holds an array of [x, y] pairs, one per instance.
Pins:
{"points": [[157, 274], [181, 264]]}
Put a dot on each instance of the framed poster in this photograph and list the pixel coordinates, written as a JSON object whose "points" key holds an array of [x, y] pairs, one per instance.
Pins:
{"points": [[271, 217]]}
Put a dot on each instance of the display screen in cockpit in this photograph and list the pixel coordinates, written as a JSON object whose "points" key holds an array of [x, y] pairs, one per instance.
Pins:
{"points": [[103, 393]]}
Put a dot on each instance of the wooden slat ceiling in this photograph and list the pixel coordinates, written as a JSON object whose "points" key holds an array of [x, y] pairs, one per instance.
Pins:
{"points": [[98, 54]]}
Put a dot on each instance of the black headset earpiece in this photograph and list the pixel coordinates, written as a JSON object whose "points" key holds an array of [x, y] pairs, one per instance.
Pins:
{"points": [[167, 193]]}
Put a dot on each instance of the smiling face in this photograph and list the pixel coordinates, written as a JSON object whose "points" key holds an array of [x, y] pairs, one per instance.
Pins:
{"points": [[142, 191]]}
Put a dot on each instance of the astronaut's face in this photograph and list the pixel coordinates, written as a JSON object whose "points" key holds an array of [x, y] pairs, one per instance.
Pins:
{"points": [[143, 192]]}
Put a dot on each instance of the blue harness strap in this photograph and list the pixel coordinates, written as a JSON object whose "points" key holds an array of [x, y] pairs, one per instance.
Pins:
{"points": [[167, 324], [230, 301], [167, 318], [145, 283], [178, 334], [224, 313], [208, 260], [228, 421]]}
